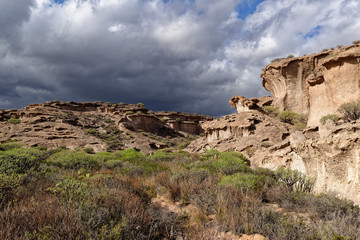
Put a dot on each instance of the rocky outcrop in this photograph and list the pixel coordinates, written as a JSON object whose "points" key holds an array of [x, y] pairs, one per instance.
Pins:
{"points": [[101, 126], [244, 132], [316, 84], [328, 153], [243, 104]]}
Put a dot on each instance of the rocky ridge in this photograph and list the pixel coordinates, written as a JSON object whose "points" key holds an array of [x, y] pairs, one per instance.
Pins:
{"points": [[97, 125]]}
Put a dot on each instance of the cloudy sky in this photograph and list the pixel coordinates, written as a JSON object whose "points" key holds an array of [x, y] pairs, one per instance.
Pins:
{"points": [[180, 55]]}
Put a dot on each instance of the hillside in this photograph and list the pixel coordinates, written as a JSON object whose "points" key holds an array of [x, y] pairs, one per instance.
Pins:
{"points": [[100, 126]]}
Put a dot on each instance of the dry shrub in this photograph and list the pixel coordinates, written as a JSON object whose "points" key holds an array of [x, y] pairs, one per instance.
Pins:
{"points": [[172, 185], [41, 216]]}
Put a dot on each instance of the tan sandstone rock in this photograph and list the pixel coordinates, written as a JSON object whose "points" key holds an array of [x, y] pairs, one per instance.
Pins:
{"points": [[316, 84], [243, 104], [101, 126]]}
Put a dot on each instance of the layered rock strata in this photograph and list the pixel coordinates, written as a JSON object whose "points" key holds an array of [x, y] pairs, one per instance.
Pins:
{"points": [[316, 84], [97, 125], [329, 153]]}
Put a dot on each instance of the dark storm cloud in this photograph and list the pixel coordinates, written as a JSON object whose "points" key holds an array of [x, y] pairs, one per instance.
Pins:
{"points": [[180, 55]]}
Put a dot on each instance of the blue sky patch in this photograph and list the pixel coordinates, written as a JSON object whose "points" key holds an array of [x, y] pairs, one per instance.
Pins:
{"points": [[247, 8], [59, 1], [313, 32]]}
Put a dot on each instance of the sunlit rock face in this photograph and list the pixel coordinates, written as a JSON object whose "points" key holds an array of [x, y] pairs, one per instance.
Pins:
{"points": [[316, 84], [243, 104]]}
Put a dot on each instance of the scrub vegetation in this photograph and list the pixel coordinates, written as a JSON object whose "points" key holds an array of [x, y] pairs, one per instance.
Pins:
{"points": [[68, 194]]}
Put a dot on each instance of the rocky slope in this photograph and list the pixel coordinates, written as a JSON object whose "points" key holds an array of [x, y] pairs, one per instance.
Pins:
{"points": [[330, 153], [97, 125], [316, 84]]}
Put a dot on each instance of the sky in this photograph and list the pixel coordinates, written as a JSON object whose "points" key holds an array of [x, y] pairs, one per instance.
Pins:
{"points": [[176, 55]]}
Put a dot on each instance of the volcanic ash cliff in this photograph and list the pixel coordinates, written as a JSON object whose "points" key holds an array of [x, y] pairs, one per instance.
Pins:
{"points": [[317, 84]]}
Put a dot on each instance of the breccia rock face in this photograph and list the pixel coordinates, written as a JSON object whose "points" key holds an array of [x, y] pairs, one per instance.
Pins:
{"points": [[316, 84]]}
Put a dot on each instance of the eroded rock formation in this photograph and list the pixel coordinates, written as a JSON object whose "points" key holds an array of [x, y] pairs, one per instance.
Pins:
{"points": [[243, 104], [244, 132], [101, 126], [316, 84], [328, 153]]}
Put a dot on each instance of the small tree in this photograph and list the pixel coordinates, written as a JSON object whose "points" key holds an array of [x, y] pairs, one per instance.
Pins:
{"points": [[350, 111]]}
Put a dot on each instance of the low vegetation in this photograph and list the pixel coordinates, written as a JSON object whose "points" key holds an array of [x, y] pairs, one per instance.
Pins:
{"points": [[332, 117], [68, 194], [296, 119], [13, 121], [350, 111]]}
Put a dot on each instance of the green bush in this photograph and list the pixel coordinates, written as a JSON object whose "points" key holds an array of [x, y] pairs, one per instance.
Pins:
{"points": [[350, 111], [265, 144], [20, 160], [71, 190], [294, 180], [142, 168], [88, 150], [73, 160], [210, 154], [102, 157], [113, 163], [244, 181], [290, 56], [129, 155], [163, 155], [9, 145], [296, 119], [14, 121], [332, 117], [270, 110], [231, 162]]}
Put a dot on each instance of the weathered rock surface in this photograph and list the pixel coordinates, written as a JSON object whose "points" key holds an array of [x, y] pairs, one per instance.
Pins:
{"points": [[243, 104], [244, 132], [316, 84], [330, 153], [101, 126]]}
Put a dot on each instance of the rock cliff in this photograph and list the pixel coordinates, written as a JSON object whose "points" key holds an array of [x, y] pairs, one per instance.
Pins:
{"points": [[329, 153], [97, 125], [316, 84]]}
